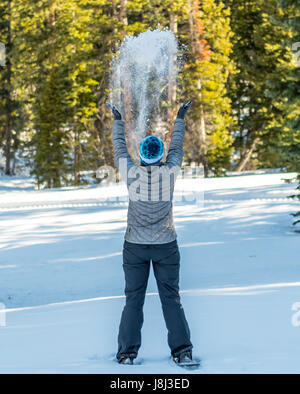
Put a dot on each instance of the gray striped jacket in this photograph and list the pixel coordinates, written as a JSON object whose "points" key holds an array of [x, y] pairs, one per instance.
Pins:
{"points": [[150, 210]]}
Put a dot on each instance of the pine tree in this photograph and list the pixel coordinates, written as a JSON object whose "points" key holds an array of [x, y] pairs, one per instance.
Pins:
{"points": [[63, 58], [59, 81], [51, 140], [291, 90], [51, 107], [261, 61], [6, 83], [108, 26], [205, 78], [297, 195], [290, 87]]}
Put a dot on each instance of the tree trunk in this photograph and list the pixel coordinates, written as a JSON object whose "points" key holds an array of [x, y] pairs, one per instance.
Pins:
{"points": [[172, 88], [191, 23], [123, 15], [8, 133], [195, 44], [76, 158], [115, 16], [203, 149], [246, 157], [172, 82], [8, 101]]}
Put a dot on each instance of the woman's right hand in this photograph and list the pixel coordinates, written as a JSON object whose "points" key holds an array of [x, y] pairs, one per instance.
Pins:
{"points": [[183, 109]]}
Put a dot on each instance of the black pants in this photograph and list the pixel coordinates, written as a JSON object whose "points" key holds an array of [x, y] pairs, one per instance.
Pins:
{"points": [[136, 263]]}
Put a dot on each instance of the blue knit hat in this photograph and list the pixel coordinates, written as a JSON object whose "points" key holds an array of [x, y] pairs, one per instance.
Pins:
{"points": [[151, 150]]}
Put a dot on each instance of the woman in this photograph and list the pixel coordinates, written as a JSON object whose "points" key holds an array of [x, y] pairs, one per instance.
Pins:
{"points": [[151, 236]]}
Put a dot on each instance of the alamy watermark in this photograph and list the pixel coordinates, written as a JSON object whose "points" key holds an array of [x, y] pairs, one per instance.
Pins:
{"points": [[296, 315], [296, 54], [2, 315], [2, 54], [160, 178]]}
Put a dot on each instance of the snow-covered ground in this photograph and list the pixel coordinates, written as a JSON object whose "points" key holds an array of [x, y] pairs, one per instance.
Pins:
{"points": [[61, 278]]}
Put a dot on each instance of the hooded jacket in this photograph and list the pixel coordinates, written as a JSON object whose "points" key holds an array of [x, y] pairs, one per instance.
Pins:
{"points": [[151, 188]]}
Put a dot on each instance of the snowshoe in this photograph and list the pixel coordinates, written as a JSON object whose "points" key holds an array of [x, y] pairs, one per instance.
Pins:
{"points": [[186, 360], [125, 360]]}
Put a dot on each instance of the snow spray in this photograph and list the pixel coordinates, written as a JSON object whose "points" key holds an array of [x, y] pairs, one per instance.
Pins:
{"points": [[144, 71]]}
